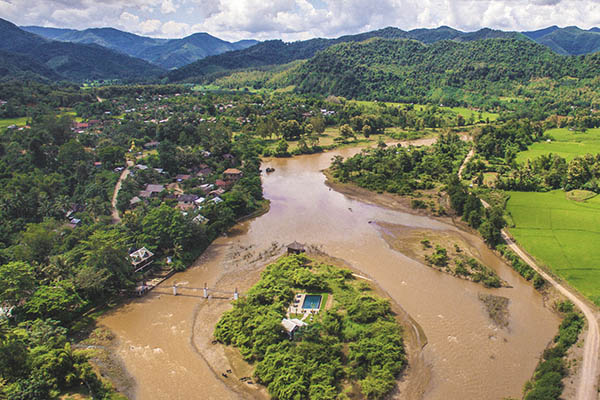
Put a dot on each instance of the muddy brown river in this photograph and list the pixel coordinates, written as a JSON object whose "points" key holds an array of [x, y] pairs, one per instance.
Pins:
{"points": [[470, 358]]}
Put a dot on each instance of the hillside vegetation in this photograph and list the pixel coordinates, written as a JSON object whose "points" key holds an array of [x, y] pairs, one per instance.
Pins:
{"points": [[409, 70]]}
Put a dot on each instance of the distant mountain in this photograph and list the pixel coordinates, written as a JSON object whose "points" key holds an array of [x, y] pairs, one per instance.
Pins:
{"points": [[276, 52], [535, 35], [568, 41], [175, 53], [70, 61], [167, 53], [48, 33]]}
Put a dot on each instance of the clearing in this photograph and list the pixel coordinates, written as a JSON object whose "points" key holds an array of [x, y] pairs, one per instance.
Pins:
{"points": [[567, 144]]}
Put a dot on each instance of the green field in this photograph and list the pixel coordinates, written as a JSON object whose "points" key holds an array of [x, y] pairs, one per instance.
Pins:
{"points": [[465, 112], [6, 122], [567, 144], [562, 234]]}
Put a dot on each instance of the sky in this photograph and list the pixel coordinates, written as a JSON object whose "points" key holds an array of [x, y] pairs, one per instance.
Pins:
{"points": [[297, 19]]}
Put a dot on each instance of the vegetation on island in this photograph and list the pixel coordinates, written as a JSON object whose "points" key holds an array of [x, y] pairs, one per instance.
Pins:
{"points": [[357, 340], [456, 263], [402, 170]]}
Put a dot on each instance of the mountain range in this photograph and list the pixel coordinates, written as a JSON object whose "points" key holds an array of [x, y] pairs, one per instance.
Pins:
{"points": [[166, 53], [107, 53], [565, 41], [26, 55]]}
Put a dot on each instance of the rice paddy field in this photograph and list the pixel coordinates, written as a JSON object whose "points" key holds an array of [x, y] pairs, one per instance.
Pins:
{"points": [[562, 231], [567, 144]]}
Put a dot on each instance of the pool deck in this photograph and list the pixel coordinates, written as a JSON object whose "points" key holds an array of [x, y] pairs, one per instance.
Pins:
{"points": [[297, 307]]}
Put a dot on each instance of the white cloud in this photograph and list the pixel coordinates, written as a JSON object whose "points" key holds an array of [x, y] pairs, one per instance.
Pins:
{"points": [[149, 26], [167, 7], [175, 29], [298, 19]]}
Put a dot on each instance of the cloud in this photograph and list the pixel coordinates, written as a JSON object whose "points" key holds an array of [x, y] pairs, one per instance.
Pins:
{"points": [[298, 19], [175, 29], [167, 7], [149, 26]]}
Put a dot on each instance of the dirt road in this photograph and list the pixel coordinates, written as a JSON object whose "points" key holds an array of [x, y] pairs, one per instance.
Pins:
{"points": [[115, 213]]}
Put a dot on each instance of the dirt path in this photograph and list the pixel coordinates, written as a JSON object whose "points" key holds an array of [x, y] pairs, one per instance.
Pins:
{"points": [[115, 213], [467, 159]]}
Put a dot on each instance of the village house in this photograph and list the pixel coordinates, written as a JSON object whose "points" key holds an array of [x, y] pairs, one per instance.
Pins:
{"points": [[134, 201], [200, 219], [296, 248], [226, 185], [182, 177], [151, 145], [151, 190], [187, 198], [207, 187], [216, 192], [140, 259], [291, 326], [232, 174]]}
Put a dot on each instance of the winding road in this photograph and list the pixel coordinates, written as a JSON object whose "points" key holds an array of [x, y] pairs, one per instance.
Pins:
{"points": [[115, 213], [587, 387]]}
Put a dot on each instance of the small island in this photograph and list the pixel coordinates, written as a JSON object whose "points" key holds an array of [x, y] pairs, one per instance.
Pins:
{"points": [[311, 330]]}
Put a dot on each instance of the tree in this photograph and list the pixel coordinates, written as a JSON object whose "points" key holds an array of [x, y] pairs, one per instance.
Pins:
{"points": [[318, 124], [291, 130], [346, 132], [282, 148], [17, 282]]}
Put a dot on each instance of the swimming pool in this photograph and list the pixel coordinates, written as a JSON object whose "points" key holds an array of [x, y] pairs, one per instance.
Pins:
{"points": [[311, 302]]}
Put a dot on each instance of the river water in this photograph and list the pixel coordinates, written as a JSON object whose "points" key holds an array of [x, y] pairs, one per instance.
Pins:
{"points": [[469, 357]]}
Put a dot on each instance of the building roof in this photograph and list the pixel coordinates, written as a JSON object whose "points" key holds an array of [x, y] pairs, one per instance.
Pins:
{"points": [[187, 198], [154, 188], [183, 177], [232, 171], [139, 256], [135, 200], [290, 325], [295, 246]]}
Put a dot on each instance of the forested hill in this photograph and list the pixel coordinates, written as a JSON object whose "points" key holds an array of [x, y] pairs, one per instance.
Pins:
{"points": [[407, 69], [277, 52], [70, 61]]}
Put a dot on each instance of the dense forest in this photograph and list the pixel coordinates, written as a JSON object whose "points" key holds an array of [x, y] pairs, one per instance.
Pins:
{"points": [[409, 71]]}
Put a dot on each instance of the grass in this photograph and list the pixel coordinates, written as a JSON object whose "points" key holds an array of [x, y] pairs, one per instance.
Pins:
{"points": [[562, 234], [567, 144], [6, 122], [465, 112]]}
